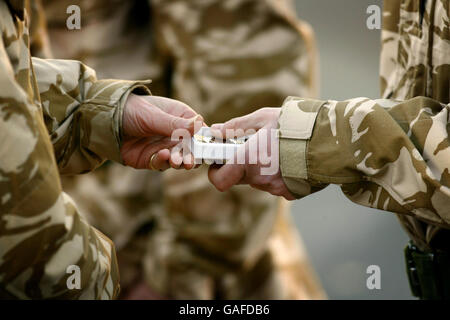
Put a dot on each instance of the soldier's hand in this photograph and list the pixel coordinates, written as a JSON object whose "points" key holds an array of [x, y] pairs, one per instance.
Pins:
{"points": [[257, 162], [148, 123]]}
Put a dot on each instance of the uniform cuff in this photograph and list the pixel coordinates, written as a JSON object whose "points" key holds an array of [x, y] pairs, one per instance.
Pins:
{"points": [[106, 100], [296, 123]]}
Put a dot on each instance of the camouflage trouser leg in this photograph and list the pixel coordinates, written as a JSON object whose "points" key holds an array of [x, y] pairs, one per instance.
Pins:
{"points": [[229, 58]]}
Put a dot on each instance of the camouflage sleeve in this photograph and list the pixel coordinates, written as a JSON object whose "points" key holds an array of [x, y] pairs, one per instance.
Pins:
{"points": [[82, 114], [389, 155], [41, 232]]}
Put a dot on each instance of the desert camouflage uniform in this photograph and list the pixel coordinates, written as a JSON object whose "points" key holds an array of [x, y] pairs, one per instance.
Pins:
{"points": [[224, 58], [392, 154], [54, 116]]}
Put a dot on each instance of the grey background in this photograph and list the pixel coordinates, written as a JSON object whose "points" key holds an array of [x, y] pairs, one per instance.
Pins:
{"points": [[342, 238]]}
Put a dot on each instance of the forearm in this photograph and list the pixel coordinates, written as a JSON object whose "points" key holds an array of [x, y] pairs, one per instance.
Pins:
{"points": [[42, 232], [83, 115], [394, 158]]}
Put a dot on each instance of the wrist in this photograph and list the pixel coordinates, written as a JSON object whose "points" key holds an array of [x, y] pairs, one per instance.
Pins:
{"points": [[296, 123]]}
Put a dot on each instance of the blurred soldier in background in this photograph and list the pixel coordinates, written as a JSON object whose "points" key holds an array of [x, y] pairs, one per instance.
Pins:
{"points": [[391, 154], [225, 58]]}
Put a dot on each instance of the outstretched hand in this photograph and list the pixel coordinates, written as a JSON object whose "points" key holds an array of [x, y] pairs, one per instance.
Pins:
{"points": [[263, 171]]}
